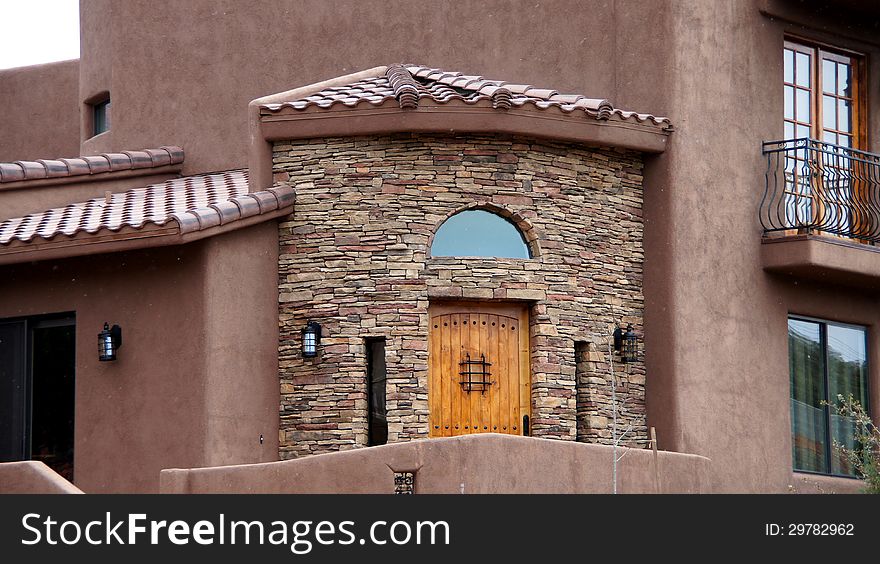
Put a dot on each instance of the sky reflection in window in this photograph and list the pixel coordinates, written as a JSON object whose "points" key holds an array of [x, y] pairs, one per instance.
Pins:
{"points": [[479, 233]]}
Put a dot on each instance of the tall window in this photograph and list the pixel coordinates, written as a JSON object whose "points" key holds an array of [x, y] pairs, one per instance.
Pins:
{"points": [[822, 91], [825, 360], [822, 95], [479, 233]]}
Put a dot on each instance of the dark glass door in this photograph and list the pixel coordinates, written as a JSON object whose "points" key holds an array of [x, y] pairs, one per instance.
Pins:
{"points": [[52, 394], [37, 391]]}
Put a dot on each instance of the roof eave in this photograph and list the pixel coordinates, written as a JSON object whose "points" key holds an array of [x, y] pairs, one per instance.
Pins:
{"points": [[106, 241], [475, 119], [106, 166], [160, 171]]}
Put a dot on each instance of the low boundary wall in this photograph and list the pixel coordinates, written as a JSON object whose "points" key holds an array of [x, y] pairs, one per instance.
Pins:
{"points": [[484, 463], [32, 477]]}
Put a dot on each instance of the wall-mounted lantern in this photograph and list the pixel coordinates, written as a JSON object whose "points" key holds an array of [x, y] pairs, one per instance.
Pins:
{"points": [[311, 338], [109, 341], [626, 343]]}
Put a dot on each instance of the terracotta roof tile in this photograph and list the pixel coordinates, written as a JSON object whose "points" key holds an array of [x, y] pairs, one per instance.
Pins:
{"points": [[409, 85], [247, 205], [76, 167], [11, 172], [126, 160], [194, 203], [97, 164]]}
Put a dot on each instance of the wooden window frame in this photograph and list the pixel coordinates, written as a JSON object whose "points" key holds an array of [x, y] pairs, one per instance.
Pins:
{"points": [[806, 197], [819, 51]]}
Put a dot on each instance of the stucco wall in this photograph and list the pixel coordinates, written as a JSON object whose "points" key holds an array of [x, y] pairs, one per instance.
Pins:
{"points": [[195, 382], [164, 65], [32, 477], [716, 335], [355, 257], [140, 413], [240, 331], [40, 111], [479, 464]]}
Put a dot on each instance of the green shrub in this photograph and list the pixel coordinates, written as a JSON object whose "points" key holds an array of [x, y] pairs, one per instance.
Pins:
{"points": [[865, 457]]}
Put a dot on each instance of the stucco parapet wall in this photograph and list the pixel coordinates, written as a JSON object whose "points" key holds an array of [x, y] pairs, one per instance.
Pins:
{"points": [[33, 477], [483, 463], [106, 166], [174, 212], [823, 259]]}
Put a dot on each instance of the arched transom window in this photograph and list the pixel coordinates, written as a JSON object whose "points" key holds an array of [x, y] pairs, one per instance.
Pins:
{"points": [[479, 233]]}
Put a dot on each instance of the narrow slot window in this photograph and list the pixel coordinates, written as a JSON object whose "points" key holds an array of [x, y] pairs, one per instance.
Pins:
{"points": [[376, 378], [101, 116]]}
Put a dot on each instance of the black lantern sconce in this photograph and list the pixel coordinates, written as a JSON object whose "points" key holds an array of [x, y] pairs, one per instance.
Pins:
{"points": [[311, 338], [109, 341], [626, 343]]}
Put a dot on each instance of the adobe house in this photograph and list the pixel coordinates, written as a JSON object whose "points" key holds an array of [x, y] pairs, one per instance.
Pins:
{"points": [[740, 246], [429, 284]]}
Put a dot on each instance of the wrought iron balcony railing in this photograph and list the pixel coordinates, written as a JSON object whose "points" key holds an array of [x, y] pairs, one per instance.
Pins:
{"points": [[813, 186]]}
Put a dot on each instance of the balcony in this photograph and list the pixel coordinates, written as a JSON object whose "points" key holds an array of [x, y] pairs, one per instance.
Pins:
{"points": [[820, 212]]}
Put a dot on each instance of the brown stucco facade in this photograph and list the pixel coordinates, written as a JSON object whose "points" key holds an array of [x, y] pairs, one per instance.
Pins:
{"points": [[716, 300], [40, 111], [715, 320], [189, 387]]}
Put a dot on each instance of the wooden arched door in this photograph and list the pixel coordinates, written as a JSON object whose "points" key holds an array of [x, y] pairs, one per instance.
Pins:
{"points": [[478, 371]]}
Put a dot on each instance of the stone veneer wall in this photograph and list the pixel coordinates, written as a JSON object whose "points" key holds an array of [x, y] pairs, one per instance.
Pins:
{"points": [[354, 257]]}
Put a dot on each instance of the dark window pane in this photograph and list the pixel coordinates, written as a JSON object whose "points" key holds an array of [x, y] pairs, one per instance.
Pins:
{"points": [[847, 376], [844, 109], [53, 398], [376, 376], [101, 116], [478, 233], [13, 392], [808, 415]]}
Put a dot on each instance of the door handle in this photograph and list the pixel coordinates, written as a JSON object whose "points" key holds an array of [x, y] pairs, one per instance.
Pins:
{"points": [[525, 426]]}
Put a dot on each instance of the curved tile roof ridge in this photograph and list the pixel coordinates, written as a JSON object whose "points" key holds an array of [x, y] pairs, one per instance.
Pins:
{"points": [[93, 164], [406, 89], [194, 203], [409, 84]]}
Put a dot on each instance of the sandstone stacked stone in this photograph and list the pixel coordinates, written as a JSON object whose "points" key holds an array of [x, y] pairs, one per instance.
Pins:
{"points": [[354, 257]]}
